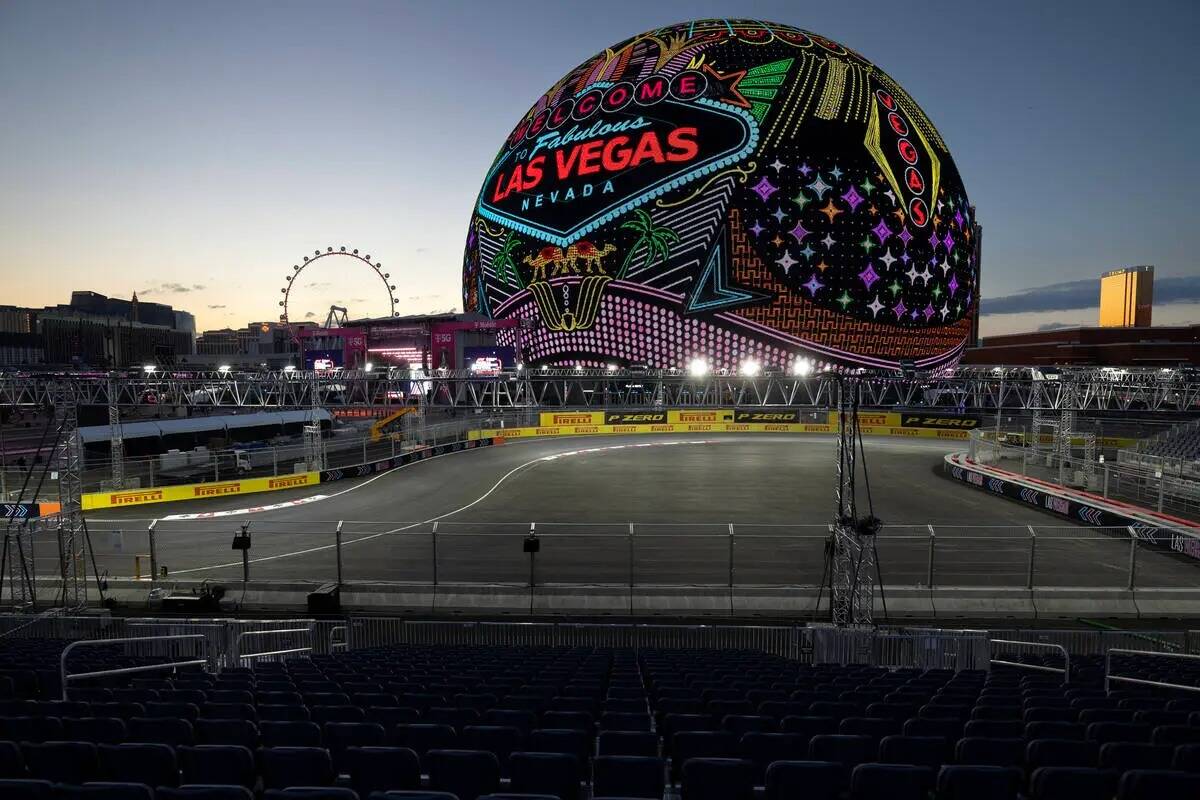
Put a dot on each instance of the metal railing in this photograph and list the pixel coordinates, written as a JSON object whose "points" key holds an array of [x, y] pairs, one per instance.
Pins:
{"points": [[627, 559], [251, 657], [1066, 668], [1109, 677], [66, 677]]}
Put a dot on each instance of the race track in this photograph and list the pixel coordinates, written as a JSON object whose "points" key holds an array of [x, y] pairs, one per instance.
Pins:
{"points": [[681, 493]]}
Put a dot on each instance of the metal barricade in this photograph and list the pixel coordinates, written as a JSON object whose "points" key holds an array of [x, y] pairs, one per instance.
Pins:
{"points": [[1066, 669], [1109, 677], [66, 678], [250, 657]]}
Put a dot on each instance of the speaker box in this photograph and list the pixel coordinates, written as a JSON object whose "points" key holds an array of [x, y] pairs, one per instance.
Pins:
{"points": [[325, 599]]}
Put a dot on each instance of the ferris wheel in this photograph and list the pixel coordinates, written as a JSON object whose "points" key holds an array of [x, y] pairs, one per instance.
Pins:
{"points": [[297, 269]]}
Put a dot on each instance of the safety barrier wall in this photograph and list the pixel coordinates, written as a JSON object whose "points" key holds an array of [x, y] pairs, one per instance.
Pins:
{"points": [[712, 427], [1075, 506], [404, 459], [198, 491]]}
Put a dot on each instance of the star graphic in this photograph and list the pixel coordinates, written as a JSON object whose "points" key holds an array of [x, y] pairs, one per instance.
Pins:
{"points": [[875, 306], [852, 198], [899, 309], [872, 209], [868, 276], [819, 187], [813, 285], [953, 287], [778, 215], [940, 206], [808, 253], [899, 214], [915, 313], [830, 210], [845, 299], [821, 265], [786, 261], [937, 292], [945, 265], [828, 241], [777, 241], [804, 169], [801, 200], [836, 173], [894, 287], [934, 241], [905, 257], [799, 232], [924, 275], [867, 186], [756, 229], [905, 236], [912, 274], [890, 195], [867, 244], [888, 259], [776, 164], [764, 188], [729, 85], [945, 310], [882, 231]]}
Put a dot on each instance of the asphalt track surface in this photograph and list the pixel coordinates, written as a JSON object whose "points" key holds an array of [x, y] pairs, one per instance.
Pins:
{"points": [[681, 493]]}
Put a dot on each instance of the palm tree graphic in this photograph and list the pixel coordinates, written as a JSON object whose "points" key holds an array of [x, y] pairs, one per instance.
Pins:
{"points": [[657, 240], [506, 268]]}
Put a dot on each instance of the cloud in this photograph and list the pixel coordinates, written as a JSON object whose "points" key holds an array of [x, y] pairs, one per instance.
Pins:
{"points": [[216, 306], [318, 285], [1055, 326], [170, 288], [1073, 295], [199, 287], [422, 249], [420, 298], [310, 314]]}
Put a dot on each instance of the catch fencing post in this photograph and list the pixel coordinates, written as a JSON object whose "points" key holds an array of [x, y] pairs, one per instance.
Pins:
{"points": [[1158, 473], [338, 547], [631, 568], [731, 569], [216, 466], [364, 450], [153, 552], [433, 536], [1133, 542], [1105, 477], [932, 538], [1032, 552], [275, 461]]}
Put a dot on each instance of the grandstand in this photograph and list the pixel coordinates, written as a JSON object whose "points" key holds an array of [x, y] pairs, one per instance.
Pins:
{"points": [[1181, 443], [119, 720]]}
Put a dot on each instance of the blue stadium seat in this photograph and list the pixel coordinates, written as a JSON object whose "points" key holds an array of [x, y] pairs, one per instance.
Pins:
{"points": [[24, 789], [701, 744], [12, 763], [422, 738], [227, 731], [971, 782], [1156, 784], [923, 751], [218, 763], [1055, 730], [62, 762], [311, 793], [561, 740], [177, 711], [1187, 758], [624, 722], [545, 773], [289, 733], [763, 749], [283, 713], [413, 794], [994, 729], [229, 711], [1123, 756], [990, 752], [31, 729], [849, 751], [1076, 783], [1103, 732], [97, 730], [295, 766], [341, 735], [718, 779], [1060, 753], [161, 730], [466, 773], [374, 769], [890, 782], [499, 740], [812, 780], [105, 791], [628, 776], [340, 713], [149, 764], [627, 743]]}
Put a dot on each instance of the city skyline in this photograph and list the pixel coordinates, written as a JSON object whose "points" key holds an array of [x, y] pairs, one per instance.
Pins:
{"points": [[193, 154]]}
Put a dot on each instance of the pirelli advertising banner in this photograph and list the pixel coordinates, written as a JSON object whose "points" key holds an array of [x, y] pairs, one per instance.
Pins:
{"points": [[870, 419], [700, 416], [635, 418], [765, 416], [955, 422], [547, 418], [709, 427], [198, 491]]}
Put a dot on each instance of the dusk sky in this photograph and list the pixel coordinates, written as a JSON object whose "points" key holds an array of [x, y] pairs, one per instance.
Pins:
{"points": [[193, 151]]}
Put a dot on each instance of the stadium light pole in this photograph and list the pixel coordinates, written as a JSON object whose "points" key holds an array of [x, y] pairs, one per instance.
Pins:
{"points": [[698, 367]]}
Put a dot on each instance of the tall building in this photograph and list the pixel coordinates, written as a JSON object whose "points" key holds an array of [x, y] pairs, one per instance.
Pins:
{"points": [[1127, 297]]}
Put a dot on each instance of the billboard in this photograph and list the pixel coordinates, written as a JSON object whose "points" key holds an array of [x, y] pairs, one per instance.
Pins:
{"points": [[323, 359], [727, 189]]}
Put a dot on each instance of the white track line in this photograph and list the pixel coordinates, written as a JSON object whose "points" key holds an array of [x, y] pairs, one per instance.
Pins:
{"points": [[476, 501], [431, 519]]}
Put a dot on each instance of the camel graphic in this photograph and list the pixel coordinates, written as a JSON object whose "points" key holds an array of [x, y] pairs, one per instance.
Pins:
{"points": [[591, 255], [547, 255]]}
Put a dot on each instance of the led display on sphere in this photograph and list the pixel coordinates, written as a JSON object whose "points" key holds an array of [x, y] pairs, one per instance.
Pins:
{"points": [[731, 190]]}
